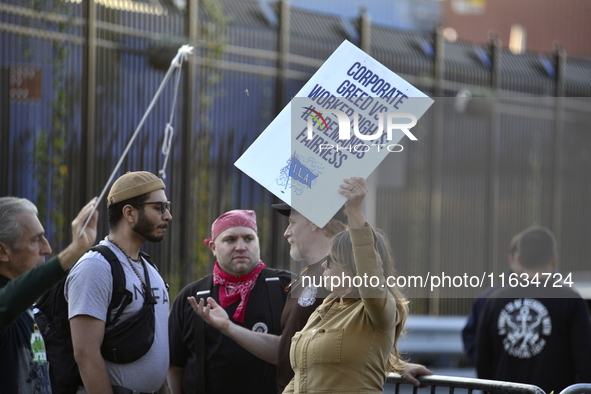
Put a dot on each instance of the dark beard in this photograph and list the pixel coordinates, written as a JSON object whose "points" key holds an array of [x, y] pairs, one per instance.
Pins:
{"points": [[145, 228]]}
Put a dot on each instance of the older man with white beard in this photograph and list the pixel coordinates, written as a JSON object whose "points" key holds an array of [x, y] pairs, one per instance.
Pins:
{"points": [[309, 243]]}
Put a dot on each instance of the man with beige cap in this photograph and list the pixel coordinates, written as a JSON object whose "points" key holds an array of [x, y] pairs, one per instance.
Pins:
{"points": [[138, 212]]}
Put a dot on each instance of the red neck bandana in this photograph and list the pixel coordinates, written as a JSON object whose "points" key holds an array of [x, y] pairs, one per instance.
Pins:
{"points": [[233, 288]]}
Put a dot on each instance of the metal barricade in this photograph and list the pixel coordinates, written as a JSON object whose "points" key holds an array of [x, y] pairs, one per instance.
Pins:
{"points": [[470, 384], [578, 388]]}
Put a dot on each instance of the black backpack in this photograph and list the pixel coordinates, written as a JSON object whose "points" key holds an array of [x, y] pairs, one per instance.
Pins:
{"points": [[135, 333]]}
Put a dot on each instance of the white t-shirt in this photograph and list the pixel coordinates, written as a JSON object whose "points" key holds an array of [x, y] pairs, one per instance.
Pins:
{"points": [[88, 291]]}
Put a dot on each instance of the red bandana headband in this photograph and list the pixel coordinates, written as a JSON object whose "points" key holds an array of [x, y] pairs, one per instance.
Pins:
{"points": [[236, 218]]}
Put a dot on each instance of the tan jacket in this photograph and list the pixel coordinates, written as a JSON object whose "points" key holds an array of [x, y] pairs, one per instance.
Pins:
{"points": [[345, 348]]}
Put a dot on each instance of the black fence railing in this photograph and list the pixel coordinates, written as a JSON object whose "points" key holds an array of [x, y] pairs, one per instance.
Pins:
{"points": [[456, 385]]}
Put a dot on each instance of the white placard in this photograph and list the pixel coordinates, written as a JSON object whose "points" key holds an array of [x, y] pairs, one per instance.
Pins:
{"points": [[342, 123]]}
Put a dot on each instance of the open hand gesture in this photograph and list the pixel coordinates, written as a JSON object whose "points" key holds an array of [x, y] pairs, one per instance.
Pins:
{"points": [[212, 313]]}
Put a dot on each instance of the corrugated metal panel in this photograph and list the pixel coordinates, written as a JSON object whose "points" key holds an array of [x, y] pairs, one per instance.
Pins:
{"points": [[318, 27], [467, 64], [574, 247], [245, 13], [578, 77], [526, 72]]}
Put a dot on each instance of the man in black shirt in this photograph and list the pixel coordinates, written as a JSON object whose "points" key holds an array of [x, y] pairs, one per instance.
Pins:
{"points": [[537, 334]]}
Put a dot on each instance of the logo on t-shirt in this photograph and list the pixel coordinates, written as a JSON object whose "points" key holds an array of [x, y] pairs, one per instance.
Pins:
{"points": [[523, 323], [38, 346], [260, 327]]}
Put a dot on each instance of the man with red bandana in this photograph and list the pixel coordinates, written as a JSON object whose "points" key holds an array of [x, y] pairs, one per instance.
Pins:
{"points": [[252, 295]]}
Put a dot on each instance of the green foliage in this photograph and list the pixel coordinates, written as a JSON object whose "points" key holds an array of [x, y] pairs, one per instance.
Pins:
{"points": [[175, 283], [49, 156], [40, 162], [213, 33]]}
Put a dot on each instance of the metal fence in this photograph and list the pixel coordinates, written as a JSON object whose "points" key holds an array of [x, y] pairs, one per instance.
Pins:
{"points": [[579, 388], [461, 385], [451, 201]]}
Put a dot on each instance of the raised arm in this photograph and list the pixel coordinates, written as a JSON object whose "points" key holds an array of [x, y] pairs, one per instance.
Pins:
{"points": [[355, 190], [20, 293], [379, 302], [80, 245]]}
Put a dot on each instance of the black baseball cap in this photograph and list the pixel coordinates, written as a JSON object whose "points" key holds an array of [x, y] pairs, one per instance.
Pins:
{"points": [[285, 210], [282, 208]]}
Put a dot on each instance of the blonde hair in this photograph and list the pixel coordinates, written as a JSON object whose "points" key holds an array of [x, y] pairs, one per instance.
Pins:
{"points": [[341, 251], [333, 227]]}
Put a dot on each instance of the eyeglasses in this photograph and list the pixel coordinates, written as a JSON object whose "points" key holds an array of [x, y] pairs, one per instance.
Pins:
{"points": [[164, 205]]}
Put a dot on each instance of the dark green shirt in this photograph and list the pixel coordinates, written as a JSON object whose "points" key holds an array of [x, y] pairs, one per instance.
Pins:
{"points": [[23, 361]]}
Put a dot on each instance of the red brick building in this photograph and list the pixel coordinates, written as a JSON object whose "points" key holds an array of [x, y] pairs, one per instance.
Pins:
{"points": [[543, 21]]}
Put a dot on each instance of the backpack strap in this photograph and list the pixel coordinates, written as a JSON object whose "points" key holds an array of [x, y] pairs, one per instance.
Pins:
{"points": [[203, 290], [149, 260], [121, 296], [275, 293]]}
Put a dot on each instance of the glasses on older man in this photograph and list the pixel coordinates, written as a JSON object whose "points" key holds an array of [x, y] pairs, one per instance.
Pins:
{"points": [[164, 205]]}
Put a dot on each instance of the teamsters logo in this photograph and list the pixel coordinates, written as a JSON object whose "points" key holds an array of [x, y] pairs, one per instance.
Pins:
{"points": [[523, 323]]}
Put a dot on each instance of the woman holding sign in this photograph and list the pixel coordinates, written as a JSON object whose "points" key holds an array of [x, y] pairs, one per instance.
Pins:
{"points": [[349, 342]]}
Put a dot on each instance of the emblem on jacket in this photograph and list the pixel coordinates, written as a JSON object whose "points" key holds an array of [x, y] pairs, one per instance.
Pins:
{"points": [[260, 327], [308, 296], [522, 323]]}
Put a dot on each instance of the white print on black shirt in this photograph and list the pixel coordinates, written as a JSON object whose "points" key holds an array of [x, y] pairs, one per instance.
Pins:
{"points": [[260, 327], [523, 323]]}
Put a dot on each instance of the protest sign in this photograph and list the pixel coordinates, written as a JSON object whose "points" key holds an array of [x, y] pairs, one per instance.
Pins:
{"points": [[342, 123]]}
